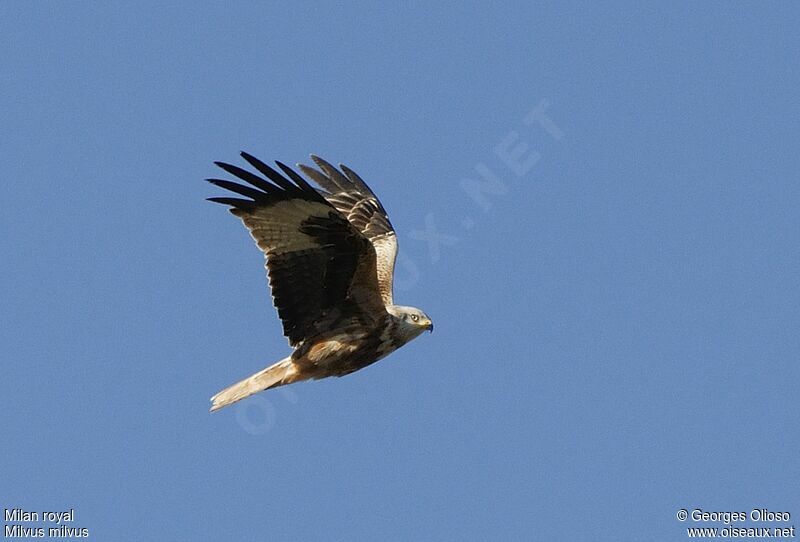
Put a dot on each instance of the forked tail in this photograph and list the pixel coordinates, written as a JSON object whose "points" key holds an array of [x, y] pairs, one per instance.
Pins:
{"points": [[283, 372]]}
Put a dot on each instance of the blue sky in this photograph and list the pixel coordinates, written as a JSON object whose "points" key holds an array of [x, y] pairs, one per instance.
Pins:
{"points": [[616, 312]]}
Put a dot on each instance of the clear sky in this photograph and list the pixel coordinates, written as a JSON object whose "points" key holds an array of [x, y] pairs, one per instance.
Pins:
{"points": [[596, 204]]}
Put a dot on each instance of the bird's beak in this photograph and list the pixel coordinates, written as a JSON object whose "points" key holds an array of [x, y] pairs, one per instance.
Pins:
{"points": [[429, 326]]}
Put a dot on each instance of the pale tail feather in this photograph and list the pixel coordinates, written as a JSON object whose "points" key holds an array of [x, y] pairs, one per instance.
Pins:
{"points": [[283, 372]]}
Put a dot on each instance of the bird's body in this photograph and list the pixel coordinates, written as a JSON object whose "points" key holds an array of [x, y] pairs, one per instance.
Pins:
{"points": [[330, 260]]}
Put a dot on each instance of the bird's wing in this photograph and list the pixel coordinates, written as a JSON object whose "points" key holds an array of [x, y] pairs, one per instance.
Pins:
{"points": [[346, 191], [320, 266]]}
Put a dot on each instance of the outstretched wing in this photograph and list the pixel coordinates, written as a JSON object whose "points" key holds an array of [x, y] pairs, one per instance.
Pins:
{"points": [[355, 200], [319, 265]]}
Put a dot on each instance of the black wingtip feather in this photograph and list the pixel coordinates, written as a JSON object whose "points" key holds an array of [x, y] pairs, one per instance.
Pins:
{"points": [[251, 178], [264, 191], [273, 175], [243, 204], [246, 191]]}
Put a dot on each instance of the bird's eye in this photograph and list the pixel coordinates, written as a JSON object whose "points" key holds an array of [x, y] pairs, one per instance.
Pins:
{"points": [[414, 317]]}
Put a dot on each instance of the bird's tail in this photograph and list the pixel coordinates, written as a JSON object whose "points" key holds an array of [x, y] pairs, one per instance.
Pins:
{"points": [[283, 372]]}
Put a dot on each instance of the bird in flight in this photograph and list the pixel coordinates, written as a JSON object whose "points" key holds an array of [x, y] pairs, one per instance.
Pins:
{"points": [[330, 256]]}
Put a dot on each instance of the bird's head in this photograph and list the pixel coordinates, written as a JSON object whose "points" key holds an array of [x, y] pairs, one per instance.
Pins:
{"points": [[410, 320]]}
